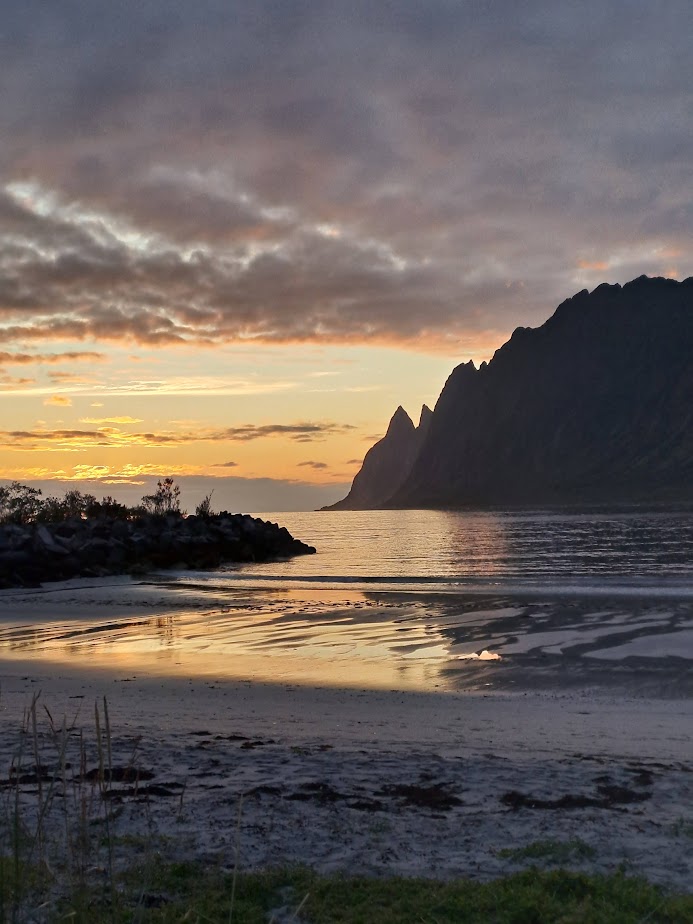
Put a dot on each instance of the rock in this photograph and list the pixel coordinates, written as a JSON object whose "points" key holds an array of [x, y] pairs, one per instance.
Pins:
{"points": [[44, 541], [35, 553]]}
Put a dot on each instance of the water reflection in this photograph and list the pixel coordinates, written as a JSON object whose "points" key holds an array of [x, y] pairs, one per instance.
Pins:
{"points": [[400, 640], [401, 544], [509, 547]]}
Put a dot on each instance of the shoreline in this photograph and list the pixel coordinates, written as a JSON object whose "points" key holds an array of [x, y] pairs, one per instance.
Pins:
{"points": [[344, 777], [640, 647], [454, 723], [380, 782]]}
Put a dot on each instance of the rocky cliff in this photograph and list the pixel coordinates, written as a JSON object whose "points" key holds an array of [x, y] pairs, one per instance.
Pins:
{"points": [[596, 405], [387, 463]]}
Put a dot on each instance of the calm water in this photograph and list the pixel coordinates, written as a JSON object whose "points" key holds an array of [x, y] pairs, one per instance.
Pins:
{"points": [[405, 599], [587, 552]]}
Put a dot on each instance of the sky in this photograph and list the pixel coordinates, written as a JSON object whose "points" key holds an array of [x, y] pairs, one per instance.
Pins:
{"points": [[235, 236]]}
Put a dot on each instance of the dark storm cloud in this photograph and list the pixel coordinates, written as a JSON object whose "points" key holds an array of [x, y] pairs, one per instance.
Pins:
{"points": [[414, 173]]}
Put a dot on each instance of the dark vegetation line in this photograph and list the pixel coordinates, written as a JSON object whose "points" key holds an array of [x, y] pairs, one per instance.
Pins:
{"points": [[21, 504]]}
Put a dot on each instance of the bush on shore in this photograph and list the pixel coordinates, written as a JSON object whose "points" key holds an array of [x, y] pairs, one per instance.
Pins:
{"points": [[22, 505], [57, 539]]}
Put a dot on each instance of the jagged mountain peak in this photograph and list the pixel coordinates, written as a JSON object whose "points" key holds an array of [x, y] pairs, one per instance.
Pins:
{"points": [[387, 463], [400, 422], [425, 418], [595, 405]]}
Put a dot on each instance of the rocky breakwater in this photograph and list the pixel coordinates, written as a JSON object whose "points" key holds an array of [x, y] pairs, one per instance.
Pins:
{"points": [[96, 546]]}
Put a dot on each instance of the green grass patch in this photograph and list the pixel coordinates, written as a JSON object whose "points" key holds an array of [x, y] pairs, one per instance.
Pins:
{"points": [[558, 852], [172, 893]]}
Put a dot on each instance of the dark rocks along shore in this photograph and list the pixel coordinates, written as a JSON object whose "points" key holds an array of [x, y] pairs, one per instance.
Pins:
{"points": [[98, 546]]}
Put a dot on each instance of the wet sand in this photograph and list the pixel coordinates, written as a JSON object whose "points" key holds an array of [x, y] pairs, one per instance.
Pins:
{"points": [[356, 777], [635, 646]]}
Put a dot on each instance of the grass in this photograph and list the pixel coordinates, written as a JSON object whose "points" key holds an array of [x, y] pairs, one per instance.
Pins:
{"points": [[550, 851], [190, 893], [64, 859]]}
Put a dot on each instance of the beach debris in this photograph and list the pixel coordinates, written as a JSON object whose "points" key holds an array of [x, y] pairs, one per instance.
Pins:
{"points": [[608, 796], [435, 796], [127, 774]]}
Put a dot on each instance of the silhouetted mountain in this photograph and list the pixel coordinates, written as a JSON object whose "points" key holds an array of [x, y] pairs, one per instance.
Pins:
{"points": [[424, 421], [596, 405], [387, 463]]}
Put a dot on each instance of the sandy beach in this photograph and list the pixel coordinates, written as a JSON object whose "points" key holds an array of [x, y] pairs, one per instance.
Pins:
{"points": [[345, 777]]}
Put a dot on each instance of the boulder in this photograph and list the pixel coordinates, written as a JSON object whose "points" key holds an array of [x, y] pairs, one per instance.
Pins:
{"points": [[77, 547]]}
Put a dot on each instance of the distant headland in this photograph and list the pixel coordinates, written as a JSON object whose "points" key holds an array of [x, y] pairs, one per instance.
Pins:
{"points": [[594, 406]]}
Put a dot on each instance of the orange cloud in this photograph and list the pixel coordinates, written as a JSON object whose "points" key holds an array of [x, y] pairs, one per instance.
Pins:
{"points": [[22, 359], [58, 401], [11, 381], [596, 266], [128, 474], [115, 420], [74, 440], [107, 474], [71, 378]]}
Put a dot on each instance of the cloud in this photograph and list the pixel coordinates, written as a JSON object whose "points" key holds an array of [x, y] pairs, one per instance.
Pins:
{"points": [[114, 420], [596, 266], [58, 401], [112, 437], [12, 382], [17, 359], [301, 432], [425, 175], [315, 465], [225, 464], [70, 378]]}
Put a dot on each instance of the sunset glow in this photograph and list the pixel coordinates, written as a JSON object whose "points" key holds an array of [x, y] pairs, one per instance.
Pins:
{"points": [[234, 241]]}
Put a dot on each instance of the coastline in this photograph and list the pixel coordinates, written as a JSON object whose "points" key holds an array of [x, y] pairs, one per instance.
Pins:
{"points": [[343, 777], [380, 782]]}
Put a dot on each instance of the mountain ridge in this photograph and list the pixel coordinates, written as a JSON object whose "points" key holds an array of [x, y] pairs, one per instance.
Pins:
{"points": [[387, 462], [594, 405]]}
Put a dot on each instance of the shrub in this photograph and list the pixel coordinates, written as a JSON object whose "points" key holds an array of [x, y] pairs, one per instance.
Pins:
{"points": [[22, 504], [166, 498], [108, 507], [73, 504], [19, 503], [204, 508]]}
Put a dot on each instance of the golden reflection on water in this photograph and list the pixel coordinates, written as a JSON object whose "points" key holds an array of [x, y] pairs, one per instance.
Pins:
{"points": [[386, 543], [320, 637]]}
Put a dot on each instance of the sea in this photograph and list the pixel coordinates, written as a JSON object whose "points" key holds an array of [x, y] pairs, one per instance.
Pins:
{"points": [[447, 600], [586, 552]]}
